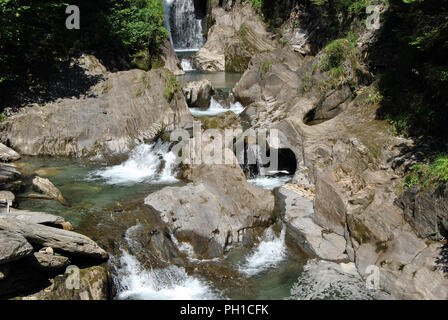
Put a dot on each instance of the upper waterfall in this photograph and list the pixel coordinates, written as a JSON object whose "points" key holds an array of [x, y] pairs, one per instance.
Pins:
{"points": [[185, 28]]}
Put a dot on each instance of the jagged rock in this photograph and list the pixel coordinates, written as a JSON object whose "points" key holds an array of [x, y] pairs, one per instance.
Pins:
{"points": [[235, 35], [13, 246], [134, 108], [49, 262], [7, 154], [198, 93], [45, 186], [93, 284], [68, 242], [298, 213], [216, 211]]}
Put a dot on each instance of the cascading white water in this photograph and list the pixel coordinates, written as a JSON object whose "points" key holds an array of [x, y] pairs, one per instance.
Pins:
{"points": [[217, 108], [270, 251], [150, 163], [269, 182], [133, 281], [186, 65], [185, 30]]}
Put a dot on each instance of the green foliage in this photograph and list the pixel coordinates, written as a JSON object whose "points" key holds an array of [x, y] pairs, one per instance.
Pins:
{"points": [[34, 38], [172, 87], [424, 175], [413, 46]]}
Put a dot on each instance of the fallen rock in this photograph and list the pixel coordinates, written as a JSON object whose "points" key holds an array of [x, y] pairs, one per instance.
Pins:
{"points": [[13, 246], [198, 93], [68, 242], [45, 186], [7, 154], [49, 262]]}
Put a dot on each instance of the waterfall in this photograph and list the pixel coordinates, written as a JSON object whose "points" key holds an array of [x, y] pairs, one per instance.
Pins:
{"points": [[185, 29], [216, 108]]}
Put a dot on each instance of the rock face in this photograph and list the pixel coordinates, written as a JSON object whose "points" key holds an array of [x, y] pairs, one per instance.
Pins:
{"points": [[13, 247], [218, 210], [7, 154], [427, 211], [170, 58], [234, 37], [198, 93], [130, 108], [47, 188], [64, 241]]}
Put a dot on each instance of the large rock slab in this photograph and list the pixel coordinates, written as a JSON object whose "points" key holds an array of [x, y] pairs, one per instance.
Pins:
{"points": [[68, 242], [7, 154], [33, 217], [216, 211], [13, 246]]}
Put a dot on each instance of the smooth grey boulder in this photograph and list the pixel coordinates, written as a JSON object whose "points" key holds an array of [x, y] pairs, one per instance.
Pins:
{"points": [[198, 93], [68, 242], [7, 154], [13, 246], [47, 188]]}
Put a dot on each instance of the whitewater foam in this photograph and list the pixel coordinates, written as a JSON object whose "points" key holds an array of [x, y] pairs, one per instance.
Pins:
{"points": [[269, 182], [147, 163], [269, 252], [217, 108]]}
